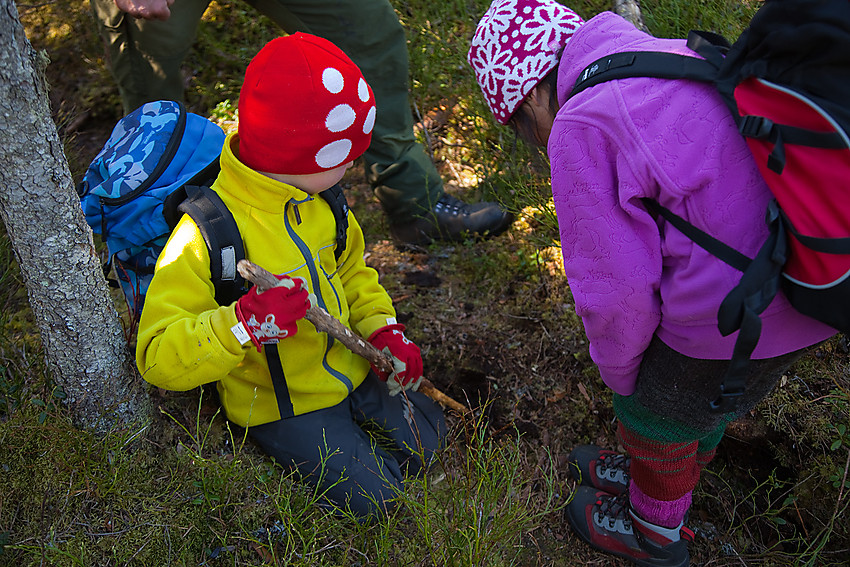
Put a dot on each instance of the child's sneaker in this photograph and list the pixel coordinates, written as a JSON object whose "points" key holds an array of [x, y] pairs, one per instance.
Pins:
{"points": [[607, 523], [602, 469]]}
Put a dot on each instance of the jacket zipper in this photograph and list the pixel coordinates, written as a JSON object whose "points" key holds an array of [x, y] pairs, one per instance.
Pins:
{"points": [[314, 276]]}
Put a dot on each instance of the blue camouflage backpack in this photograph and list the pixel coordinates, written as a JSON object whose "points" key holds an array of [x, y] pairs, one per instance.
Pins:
{"points": [[157, 165]]}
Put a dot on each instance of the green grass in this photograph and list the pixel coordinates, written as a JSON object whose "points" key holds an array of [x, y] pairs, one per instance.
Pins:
{"points": [[189, 490], [73, 499]]}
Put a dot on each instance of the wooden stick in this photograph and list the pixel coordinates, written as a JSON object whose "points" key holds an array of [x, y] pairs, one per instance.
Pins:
{"points": [[326, 323]]}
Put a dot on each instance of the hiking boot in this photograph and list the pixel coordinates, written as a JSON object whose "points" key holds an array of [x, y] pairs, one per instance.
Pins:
{"points": [[608, 524], [600, 468], [453, 220]]}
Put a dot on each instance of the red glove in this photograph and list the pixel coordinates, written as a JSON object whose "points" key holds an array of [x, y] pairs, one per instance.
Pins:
{"points": [[408, 359], [270, 316]]}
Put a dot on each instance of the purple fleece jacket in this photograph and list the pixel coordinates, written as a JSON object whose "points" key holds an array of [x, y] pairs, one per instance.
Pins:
{"points": [[632, 277]]}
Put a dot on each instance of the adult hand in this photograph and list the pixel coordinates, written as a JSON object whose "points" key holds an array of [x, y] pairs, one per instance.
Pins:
{"points": [[146, 9], [406, 355], [271, 315]]}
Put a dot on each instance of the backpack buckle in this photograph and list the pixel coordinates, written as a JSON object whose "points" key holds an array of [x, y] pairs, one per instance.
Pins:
{"points": [[727, 401], [757, 127]]}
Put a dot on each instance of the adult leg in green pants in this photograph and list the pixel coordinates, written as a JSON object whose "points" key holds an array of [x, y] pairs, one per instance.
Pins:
{"points": [[145, 57]]}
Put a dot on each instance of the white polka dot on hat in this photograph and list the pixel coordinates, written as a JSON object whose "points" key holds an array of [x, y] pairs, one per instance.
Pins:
{"points": [[304, 108]]}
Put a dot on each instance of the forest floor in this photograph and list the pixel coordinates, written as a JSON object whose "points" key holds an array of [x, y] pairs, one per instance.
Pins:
{"points": [[498, 332]]}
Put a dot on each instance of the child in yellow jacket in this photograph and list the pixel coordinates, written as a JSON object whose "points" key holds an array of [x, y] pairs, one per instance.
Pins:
{"points": [[305, 113]]}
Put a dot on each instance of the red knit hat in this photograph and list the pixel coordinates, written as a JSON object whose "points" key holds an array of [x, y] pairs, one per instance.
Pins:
{"points": [[304, 108]]}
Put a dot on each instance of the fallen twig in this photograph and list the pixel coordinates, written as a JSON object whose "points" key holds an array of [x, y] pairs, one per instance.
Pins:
{"points": [[325, 322]]}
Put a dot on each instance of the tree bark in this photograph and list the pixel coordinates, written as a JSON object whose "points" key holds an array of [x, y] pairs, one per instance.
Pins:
{"points": [[630, 10], [85, 347]]}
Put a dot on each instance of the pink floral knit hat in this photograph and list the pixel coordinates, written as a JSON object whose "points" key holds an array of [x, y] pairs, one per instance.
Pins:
{"points": [[516, 44]]}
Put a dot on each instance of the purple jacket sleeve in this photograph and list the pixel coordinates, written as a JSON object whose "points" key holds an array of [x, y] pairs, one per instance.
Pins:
{"points": [[611, 245]]}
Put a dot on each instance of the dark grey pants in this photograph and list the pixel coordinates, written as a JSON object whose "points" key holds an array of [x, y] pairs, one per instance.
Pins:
{"points": [[360, 450], [671, 401], [667, 426]]}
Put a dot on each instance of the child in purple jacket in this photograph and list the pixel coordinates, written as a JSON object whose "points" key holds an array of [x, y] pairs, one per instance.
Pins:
{"points": [[648, 296]]}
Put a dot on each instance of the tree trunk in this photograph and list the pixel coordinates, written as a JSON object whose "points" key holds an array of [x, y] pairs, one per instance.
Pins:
{"points": [[84, 343], [630, 10]]}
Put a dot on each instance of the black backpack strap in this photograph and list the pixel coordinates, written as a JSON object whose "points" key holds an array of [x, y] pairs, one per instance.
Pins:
{"points": [[762, 128], [204, 178], [335, 198], [823, 245], [339, 206], [740, 310], [221, 234], [705, 241], [709, 45], [222, 237], [644, 64], [713, 47], [281, 388], [742, 307]]}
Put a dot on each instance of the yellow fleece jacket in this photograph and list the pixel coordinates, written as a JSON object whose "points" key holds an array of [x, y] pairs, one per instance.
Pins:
{"points": [[185, 337]]}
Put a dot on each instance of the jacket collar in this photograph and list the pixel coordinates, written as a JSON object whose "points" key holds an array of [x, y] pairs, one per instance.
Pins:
{"points": [[251, 187]]}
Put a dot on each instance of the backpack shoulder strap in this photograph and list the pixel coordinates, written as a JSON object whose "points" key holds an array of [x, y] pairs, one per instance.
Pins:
{"points": [[658, 64], [222, 237], [339, 206], [741, 308], [710, 244], [713, 47]]}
